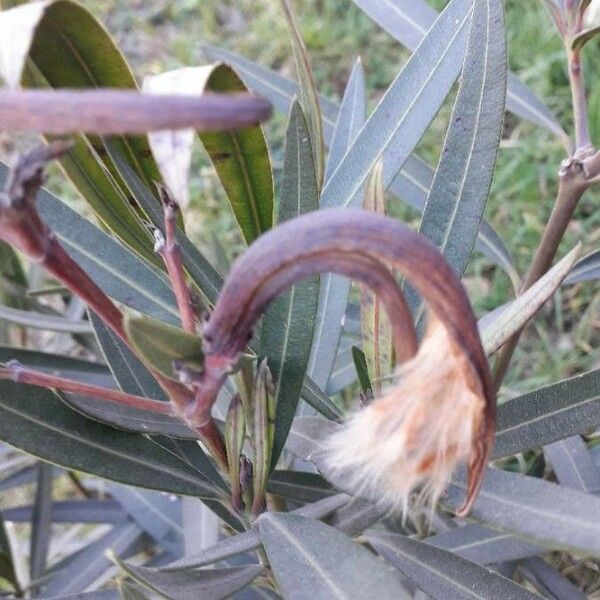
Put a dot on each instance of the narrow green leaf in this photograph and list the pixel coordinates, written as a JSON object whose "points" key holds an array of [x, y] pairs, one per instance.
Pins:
{"points": [[460, 188], [305, 556], [442, 574], [129, 372], [376, 333], [515, 315], [362, 370], [41, 522], [37, 422], [549, 414], [309, 96], [29, 318], [209, 584], [128, 591], [413, 99], [241, 158], [411, 183], [536, 510], [409, 20], [300, 486], [162, 345], [334, 289], [235, 430], [287, 329], [82, 55], [202, 273]]}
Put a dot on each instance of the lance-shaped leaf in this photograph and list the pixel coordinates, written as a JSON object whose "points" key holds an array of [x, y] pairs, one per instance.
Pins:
{"points": [[287, 329], [411, 183], [396, 125], [460, 188], [209, 584], [35, 320], [162, 346], [549, 580], [409, 20], [305, 558], [483, 545], [515, 315], [309, 97], [37, 422], [549, 414], [362, 371], [539, 511], [442, 574], [376, 333], [235, 429], [241, 158], [262, 433], [41, 522], [334, 290]]}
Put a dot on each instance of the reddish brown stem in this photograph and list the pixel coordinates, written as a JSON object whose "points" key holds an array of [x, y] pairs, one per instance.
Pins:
{"points": [[170, 252], [116, 112], [19, 374]]}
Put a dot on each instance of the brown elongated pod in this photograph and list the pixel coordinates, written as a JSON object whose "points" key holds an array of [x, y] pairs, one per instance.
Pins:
{"points": [[450, 367]]}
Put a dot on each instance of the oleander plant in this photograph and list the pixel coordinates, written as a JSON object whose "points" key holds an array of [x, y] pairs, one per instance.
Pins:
{"points": [[324, 416]]}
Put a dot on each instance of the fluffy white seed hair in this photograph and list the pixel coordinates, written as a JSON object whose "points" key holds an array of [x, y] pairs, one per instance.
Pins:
{"points": [[402, 448]]}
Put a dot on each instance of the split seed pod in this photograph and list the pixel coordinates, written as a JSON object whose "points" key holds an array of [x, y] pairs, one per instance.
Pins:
{"points": [[441, 409]]}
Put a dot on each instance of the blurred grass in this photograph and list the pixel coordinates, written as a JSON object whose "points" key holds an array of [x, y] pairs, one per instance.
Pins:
{"points": [[564, 339]]}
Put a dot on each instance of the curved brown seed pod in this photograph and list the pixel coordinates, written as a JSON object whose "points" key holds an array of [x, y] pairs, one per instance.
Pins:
{"points": [[311, 244]]}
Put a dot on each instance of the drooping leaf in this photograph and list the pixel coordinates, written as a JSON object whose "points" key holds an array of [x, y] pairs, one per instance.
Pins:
{"points": [[309, 96], [403, 114], [409, 20], [241, 158], [69, 48], [313, 396], [539, 511], [300, 486], [37, 422], [459, 191], [412, 182], [442, 574], [306, 558], [287, 329], [209, 584], [549, 414], [334, 289], [162, 345], [515, 315]]}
